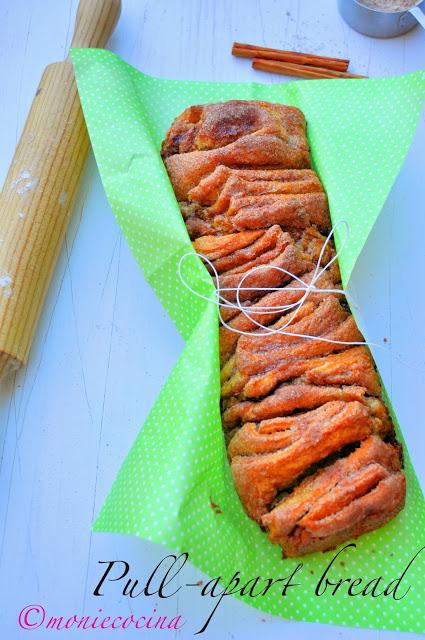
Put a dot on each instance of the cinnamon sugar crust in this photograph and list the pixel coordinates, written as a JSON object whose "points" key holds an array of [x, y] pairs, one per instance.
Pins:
{"points": [[310, 440]]}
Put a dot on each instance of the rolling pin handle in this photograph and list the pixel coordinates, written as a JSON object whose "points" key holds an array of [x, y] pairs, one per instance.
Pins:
{"points": [[95, 22]]}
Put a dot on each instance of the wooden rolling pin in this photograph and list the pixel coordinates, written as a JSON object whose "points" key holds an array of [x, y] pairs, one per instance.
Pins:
{"points": [[40, 188]]}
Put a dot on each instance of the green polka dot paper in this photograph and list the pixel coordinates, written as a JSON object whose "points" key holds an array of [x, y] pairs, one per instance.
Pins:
{"points": [[360, 131]]}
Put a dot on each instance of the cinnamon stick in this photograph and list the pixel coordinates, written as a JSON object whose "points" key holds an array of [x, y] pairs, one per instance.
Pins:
{"points": [[266, 53], [299, 70]]}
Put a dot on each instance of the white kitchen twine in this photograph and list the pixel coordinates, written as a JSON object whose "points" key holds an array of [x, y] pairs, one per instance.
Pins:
{"points": [[220, 300]]}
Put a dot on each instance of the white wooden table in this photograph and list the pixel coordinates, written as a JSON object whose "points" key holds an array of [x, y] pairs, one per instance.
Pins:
{"points": [[104, 345]]}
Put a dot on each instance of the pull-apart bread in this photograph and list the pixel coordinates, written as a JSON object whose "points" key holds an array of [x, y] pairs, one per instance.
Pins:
{"points": [[310, 441]]}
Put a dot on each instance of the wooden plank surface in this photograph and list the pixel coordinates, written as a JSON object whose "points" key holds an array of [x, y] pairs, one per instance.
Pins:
{"points": [[105, 346]]}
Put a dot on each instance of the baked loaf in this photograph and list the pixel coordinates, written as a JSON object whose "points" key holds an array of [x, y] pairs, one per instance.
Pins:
{"points": [[310, 441]]}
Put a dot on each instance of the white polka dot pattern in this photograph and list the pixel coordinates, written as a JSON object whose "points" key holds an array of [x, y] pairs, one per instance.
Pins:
{"points": [[359, 132]]}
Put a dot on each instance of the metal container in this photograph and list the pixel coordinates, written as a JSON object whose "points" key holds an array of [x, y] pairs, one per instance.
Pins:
{"points": [[381, 24]]}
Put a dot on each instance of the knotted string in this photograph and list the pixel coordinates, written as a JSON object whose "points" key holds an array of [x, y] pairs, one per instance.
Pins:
{"points": [[248, 311]]}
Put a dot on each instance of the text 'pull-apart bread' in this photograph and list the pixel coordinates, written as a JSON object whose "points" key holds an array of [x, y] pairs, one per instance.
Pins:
{"points": [[310, 441]]}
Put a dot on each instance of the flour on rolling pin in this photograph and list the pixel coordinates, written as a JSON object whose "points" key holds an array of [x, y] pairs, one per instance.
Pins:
{"points": [[24, 182], [41, 186], [6, 285]]}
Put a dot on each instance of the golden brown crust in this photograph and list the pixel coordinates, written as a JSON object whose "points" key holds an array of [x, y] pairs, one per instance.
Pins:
{"points": [[287, 295], [211, 126], [287, 399], [187, 169], [241, 259], [287, 257], [219, 247], [271, 455], [216, 190], [262, 362], [298, 211], [240, 171], [242, 199], [353, 495]]}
